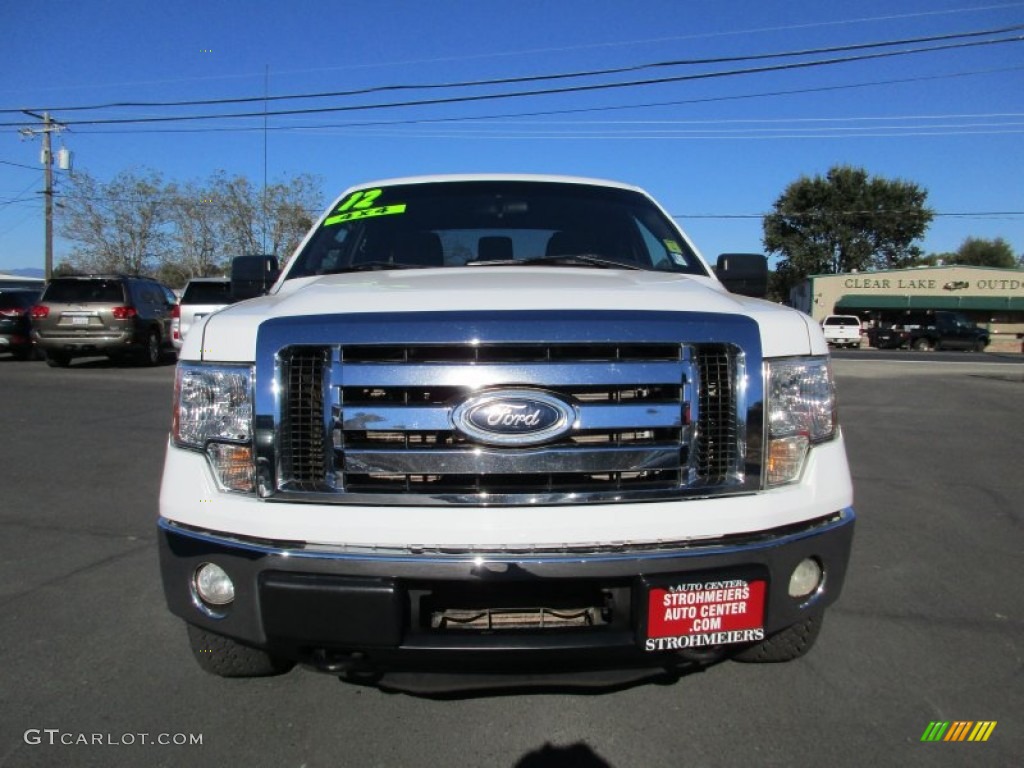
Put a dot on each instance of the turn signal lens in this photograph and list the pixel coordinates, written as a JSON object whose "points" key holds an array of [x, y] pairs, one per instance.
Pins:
{"points": [[786, 459], [233, 465]]}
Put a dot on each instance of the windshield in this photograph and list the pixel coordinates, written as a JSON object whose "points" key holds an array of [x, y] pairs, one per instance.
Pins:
{"points": [[17, 299], [485, 223], [94, 290], [212, 292]]}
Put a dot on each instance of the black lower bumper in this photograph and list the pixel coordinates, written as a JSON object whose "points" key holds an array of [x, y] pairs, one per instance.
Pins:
{"points": [[434, 611]]}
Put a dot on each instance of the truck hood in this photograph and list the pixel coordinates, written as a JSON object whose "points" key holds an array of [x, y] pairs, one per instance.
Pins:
{"points": [[230, 335]]}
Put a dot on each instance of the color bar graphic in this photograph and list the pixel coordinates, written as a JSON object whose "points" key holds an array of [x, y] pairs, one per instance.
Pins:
{"points": [[959, 730]]}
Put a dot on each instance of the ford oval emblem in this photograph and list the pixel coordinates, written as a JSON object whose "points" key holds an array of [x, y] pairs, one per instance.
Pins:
{"points": [[513, 417]]}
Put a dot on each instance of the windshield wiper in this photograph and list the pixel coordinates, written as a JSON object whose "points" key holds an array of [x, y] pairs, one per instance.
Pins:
{"points": [[575, 260]]}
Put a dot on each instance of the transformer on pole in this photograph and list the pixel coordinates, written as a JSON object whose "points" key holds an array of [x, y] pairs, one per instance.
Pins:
{"points": [[48, 128]]}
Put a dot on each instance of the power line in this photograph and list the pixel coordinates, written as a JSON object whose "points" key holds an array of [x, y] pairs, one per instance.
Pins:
{"points": [[552, 91], [720, 135], [552, 112], [529, 52], [18, 223], [17, 197], [18, 165], [537, 78]]}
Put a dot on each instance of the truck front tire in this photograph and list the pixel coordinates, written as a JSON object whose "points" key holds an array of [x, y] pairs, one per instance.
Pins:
{"points": [[787, 645], [225, 657]]}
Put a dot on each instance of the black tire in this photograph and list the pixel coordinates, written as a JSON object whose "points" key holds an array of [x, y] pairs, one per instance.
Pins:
{"points": [[57, 360], [923, 345], [225, 657], [787, 645], [150, 354], [979, 346]]}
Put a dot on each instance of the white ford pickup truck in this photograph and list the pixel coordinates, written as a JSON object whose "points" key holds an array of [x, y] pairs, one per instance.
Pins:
{"points": [[503, 425], [842, 330]]}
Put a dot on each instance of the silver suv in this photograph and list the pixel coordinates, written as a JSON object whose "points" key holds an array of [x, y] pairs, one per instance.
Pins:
{"points": [[118, 316], [201, 296]]}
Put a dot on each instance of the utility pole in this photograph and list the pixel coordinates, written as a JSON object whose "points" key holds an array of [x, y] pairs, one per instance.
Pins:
{"points": [[49, 127]]}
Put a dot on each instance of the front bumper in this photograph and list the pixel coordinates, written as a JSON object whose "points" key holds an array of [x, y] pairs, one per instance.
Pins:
{"points": [[334, 607]]}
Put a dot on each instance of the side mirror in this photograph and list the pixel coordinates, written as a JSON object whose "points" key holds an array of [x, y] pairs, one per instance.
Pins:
{"points": [[252, 276], [744, 273]]}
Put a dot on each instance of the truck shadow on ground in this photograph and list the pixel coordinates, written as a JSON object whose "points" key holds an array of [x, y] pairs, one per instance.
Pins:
{"points": [[578, 755]]}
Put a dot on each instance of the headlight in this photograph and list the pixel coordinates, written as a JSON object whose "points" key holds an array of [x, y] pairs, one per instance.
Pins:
{"points": [[213, 414], [801, 410]]}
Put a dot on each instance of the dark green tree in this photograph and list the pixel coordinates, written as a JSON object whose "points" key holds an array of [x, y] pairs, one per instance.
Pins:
{"points": [[846, 221], [978, 252], [64, 269], [781, 281]]}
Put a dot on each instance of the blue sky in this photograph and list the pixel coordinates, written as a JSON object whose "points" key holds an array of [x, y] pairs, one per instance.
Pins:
{"points": [[716, 151]]}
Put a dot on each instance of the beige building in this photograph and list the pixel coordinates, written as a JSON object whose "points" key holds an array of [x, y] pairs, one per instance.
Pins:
{"points": [[993, 298]]}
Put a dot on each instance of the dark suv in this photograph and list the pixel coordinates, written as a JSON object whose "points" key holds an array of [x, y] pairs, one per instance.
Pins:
{"points": [[114, 315], [15, 306]]}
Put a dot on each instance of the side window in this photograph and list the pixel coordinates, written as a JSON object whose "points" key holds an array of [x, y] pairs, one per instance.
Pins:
{"points": [[657, 250], [152, 295]]}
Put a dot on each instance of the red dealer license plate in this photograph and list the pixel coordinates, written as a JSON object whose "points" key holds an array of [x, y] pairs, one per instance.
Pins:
{"points": [[704, 613]]}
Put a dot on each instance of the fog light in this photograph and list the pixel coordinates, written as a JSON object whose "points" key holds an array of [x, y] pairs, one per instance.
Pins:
{"points": [[213, 585], [806, 578]]}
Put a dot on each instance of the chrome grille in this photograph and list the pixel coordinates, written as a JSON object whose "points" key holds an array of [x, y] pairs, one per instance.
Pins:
{"points": [[304, 457], [362, 422], [717, 445], [379, 450]]}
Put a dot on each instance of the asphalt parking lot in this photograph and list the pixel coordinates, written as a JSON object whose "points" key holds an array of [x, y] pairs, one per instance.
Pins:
{"points": [[930, 627]]}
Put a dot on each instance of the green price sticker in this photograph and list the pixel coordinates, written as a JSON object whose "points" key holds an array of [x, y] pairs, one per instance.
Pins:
{"points": [[360, 205]]}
